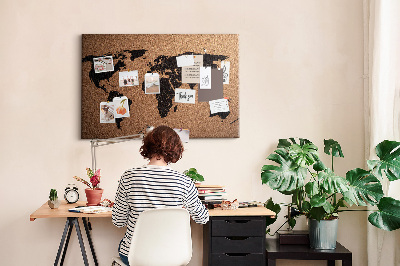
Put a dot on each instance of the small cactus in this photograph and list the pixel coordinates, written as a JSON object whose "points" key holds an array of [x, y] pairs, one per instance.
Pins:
{"points": [[53, 195]]}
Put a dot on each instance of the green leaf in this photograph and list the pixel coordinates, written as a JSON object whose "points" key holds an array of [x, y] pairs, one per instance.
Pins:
{"points": [[388, 216], [388, 153], [332, 183], [194, 175], [306, 206], [364, 188], [304, 155], [332, 146], [287, 176], [284, 143], [317, 213], [319, 166], [276, 208], [292, 222], [320, 201], [311, 189]]}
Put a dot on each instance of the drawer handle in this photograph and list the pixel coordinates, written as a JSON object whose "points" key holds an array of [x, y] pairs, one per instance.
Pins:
{"points": [[237, 254], [237, 221], [236, 237]]}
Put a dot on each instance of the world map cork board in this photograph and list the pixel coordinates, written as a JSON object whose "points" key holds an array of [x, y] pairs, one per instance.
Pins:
{"points": [[184, 81]]}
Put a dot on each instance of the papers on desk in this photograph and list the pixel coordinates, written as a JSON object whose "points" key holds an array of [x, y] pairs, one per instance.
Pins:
{"points": [[91, 209]]}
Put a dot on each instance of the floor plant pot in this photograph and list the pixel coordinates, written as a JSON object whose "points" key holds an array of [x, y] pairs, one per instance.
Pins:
{"points": [[93, 196], [323, 234], [53, 204]]}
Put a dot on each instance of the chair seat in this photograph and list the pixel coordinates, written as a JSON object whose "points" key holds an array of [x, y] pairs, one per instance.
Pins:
{"points": [[118, 261]]}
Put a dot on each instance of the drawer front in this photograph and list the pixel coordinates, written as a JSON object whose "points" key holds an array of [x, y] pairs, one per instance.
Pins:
{"points": [[237, 259], [237, 245], [235, 227]]}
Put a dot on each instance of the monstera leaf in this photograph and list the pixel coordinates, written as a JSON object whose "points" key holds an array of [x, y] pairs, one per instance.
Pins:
{"points": [[304, 155], [276, 208], [388, 216], [334, 147], [286, 177], [331, 183], [363, 188], [388, 153]]}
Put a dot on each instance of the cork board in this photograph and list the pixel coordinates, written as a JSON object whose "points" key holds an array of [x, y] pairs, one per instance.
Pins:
{"points": [[157, 53]]}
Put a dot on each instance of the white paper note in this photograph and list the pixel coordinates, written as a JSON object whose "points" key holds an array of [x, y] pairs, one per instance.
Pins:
{"points": [[185, 60], [219, 106], [191, 74], [183, 134], [205, 77], [121, 106], [185, 96], [226, 67]]}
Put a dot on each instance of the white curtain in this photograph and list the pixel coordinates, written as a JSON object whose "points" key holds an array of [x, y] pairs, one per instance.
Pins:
{"points": [[383, 109]]}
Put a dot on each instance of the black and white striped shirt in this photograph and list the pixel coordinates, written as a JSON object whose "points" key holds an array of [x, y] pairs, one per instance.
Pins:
{"points": [[151, 187]]}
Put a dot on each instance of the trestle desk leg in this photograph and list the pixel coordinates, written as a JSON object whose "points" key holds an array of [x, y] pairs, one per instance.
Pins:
{"points": [[78, 232], [66, 242], [90, 240], [67, 225]]}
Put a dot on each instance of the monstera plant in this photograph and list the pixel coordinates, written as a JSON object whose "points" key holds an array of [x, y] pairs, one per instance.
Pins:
{"points": [[320, 194]]}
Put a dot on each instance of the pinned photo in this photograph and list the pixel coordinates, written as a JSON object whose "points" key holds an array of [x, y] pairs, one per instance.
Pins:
{"points": [[152, 83], [107, 112], [121, 106], [103, 64], [128, 78]]}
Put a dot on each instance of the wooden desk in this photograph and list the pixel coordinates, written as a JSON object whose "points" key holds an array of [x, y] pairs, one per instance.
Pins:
{"points": [[235, 237], [304, 252], [72, 219]]}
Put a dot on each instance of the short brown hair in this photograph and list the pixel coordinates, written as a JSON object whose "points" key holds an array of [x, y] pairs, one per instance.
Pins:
{"points": [[162, 141]]}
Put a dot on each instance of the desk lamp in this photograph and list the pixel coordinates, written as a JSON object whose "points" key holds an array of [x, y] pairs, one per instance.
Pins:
{"points": [[94, 143]]}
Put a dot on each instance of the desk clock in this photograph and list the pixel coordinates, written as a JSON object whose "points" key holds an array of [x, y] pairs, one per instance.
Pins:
{"points": [[71, 194]]}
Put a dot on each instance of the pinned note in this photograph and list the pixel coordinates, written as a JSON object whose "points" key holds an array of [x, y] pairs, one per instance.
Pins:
{"points": [[205, 77], [107, 112], [128, 78], [185, 96], [152, 83], [103, 64], [185, 60], [219, 106], [191, 74], [226, 67], [183, 134], [121, 106]]}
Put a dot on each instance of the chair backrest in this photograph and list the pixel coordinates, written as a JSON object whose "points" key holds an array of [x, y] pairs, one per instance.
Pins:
{"points": [[161, 237]]}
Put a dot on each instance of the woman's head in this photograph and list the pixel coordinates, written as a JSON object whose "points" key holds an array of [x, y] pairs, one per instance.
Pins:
{"points": [[162, 142]]}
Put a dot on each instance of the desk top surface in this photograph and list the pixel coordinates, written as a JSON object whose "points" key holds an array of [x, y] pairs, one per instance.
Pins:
{"points": [[62, 212]]}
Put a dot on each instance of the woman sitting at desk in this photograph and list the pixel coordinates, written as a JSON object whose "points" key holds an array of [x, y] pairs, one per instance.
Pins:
{"points": [[155, 186]]}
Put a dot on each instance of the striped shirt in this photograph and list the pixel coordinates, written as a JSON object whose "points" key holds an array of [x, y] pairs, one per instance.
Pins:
{"points": [[151, 187]]}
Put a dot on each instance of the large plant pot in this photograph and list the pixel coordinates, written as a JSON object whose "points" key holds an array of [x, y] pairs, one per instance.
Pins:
{"points": [[93, 196], [323, 234]]}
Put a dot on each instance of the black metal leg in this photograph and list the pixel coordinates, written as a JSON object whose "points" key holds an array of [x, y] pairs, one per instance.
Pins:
{"points": [[78, 232], [67, 224], [90, 241], [66, 243]]}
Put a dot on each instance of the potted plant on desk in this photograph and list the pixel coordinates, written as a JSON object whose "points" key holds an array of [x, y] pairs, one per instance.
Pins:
{"points": [[53, 202], [93, 193], [194, 175], [319, 194]]}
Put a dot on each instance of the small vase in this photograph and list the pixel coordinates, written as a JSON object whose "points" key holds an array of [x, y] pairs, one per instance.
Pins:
{"points": [[93, 196], [54, 204], [323, 234]]}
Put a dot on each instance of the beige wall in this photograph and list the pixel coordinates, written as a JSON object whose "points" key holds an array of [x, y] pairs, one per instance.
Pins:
{"points": [[300, 75]]}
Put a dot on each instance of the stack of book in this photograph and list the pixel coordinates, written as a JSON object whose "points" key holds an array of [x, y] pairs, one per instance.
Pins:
{"points": [[211, 194]]}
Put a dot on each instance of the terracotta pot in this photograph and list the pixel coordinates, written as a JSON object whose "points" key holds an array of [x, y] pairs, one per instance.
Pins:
{"points": [[93, 196]]}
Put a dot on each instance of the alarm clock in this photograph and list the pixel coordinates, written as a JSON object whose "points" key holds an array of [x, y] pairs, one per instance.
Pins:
{"points": [[71, 194]]}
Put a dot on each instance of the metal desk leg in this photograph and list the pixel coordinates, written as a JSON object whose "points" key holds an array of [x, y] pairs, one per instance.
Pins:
{"points": [[78, 232], [66, 243], [90, 241], [67, 225]]}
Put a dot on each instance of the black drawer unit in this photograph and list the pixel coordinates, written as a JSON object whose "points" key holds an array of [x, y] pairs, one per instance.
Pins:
{"points": [[234, 241]]}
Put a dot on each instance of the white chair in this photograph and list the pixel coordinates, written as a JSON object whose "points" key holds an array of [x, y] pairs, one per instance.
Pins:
{"points": [[162, 237]]}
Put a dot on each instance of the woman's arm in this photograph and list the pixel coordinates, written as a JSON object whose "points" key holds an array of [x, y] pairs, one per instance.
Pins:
{"points": [[120, 208], [193, 205]]}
